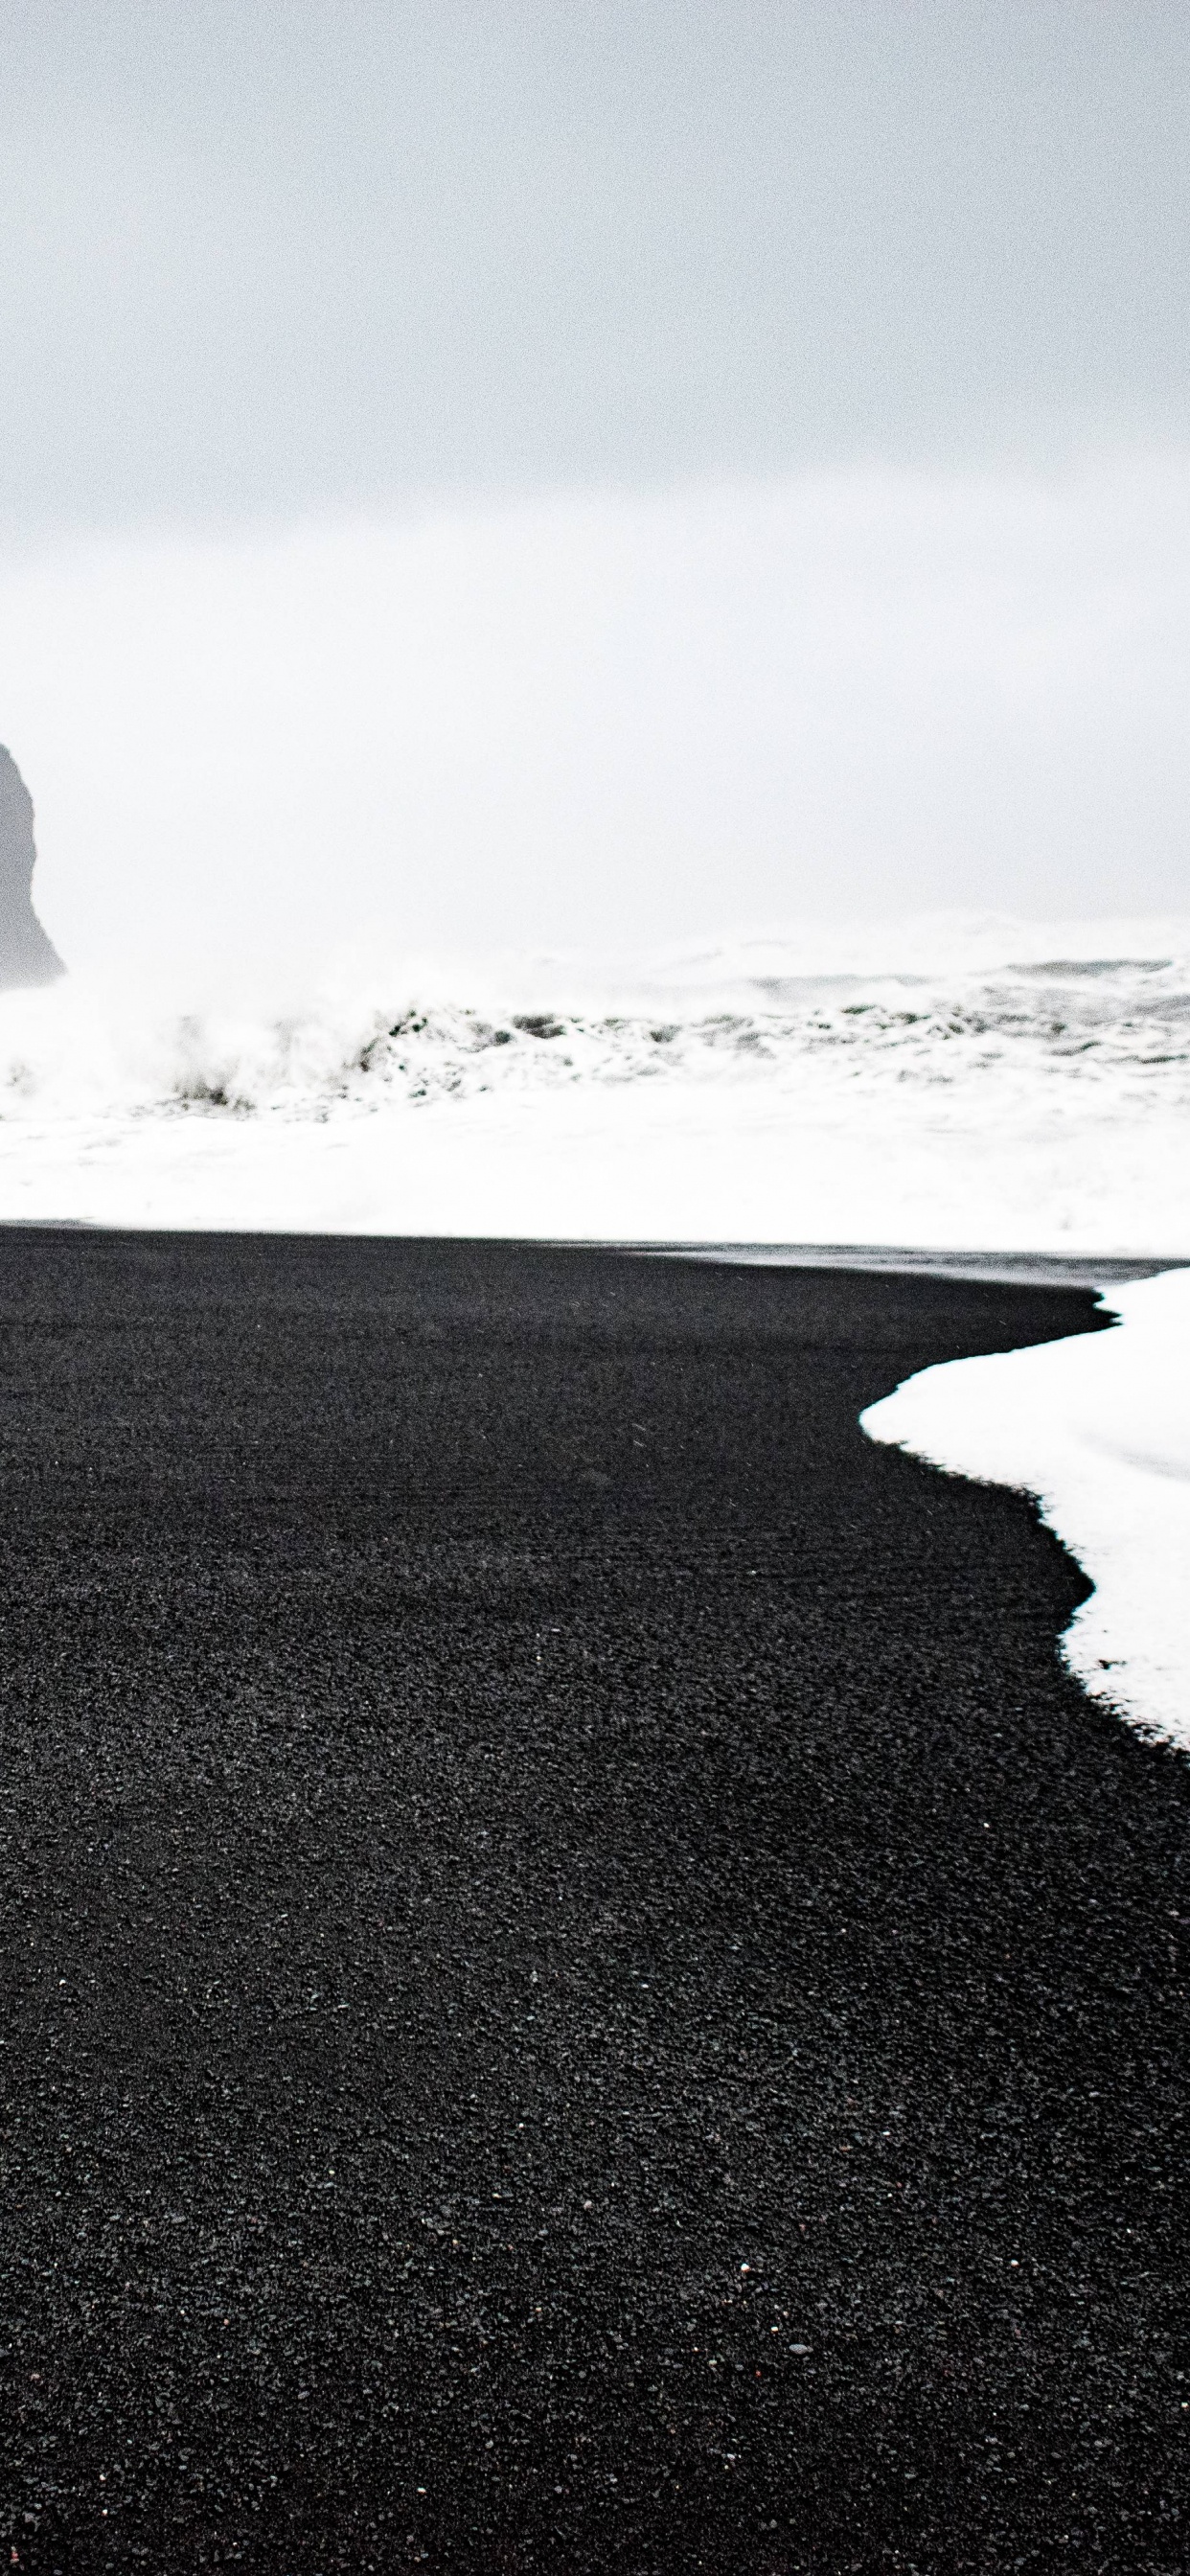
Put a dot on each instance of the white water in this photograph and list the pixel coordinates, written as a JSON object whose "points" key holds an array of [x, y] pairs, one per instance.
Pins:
{"points": [[963, 1084], [954, 1083], [1098, 1428]]}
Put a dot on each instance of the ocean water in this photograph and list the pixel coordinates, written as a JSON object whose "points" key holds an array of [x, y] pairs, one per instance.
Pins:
{"points": [[959, 1082], [1098, 1429], [962, 1086]]}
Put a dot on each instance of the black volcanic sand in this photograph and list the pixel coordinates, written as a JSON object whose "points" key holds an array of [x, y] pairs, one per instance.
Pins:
{"points": [[581, 1991]]}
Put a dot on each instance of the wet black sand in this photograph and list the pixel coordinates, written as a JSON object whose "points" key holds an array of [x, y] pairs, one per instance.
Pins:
{"points": [[579, 1989]]}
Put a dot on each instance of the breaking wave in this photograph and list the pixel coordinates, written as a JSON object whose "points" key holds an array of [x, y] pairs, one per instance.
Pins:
{"points": [[1103, 1024]]}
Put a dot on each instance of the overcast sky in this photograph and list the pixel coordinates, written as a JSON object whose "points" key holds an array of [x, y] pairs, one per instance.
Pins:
{"points": [[269, 266], [274, 255]]}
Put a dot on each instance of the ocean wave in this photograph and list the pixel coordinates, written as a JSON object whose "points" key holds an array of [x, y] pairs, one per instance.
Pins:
{"points": [[1113, 1025]]}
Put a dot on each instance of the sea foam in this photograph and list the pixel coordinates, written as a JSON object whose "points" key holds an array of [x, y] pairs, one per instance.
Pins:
{"points": [[1098, 1429], [948, 1083]]}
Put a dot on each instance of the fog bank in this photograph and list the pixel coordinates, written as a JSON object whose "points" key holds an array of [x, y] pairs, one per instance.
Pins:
{"points": [[606, 721]]}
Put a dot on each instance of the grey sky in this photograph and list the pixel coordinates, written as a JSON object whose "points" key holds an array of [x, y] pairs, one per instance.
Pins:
{"points": [[258, 259]]}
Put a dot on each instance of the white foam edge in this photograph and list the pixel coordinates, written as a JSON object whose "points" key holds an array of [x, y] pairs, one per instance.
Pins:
{"points": [[1097, 1429]]}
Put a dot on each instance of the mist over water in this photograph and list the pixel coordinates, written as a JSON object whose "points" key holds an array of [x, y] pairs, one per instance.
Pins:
{"points": [[607, 722], [391, 862], [963, 1082], [967, 1010]]}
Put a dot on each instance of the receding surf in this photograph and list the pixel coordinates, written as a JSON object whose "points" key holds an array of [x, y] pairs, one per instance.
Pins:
{"points": [[1097, 1428]]}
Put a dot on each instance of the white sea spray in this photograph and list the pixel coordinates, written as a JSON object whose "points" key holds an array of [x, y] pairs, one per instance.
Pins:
{"points": [[945, 1082], [1033, 1029]]}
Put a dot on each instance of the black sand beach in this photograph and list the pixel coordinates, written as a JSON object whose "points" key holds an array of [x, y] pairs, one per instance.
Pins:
{"points": [[580, 1990]]}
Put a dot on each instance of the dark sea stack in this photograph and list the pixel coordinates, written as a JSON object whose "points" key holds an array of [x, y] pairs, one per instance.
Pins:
{"points": [[26, 955]]}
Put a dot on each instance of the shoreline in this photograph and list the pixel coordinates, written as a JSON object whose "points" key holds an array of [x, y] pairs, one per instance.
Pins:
{"points": [[1036, 1269], [581, 1988], [1040, 1269], [1098, 1431]]}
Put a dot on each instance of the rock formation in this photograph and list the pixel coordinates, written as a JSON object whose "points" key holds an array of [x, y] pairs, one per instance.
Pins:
{"points": [[26, 955]]}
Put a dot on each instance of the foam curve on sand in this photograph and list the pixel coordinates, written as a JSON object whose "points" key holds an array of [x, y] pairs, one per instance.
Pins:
{"points": [[1098, 1429]]}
